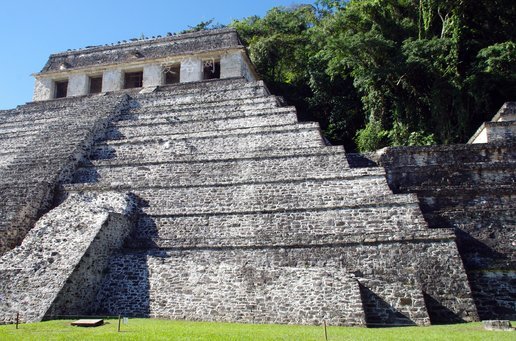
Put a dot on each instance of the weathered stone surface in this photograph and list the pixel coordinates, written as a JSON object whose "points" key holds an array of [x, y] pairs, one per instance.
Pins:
{"points": [[503, 325], [43, 89], [59, 266], [501, 128], [78, 85], [471, 189], [215, 286], [184, 44], [241, 196], [112, 80], [243, 213], [43, 144]]}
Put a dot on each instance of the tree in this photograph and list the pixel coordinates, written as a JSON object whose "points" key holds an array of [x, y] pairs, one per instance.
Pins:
{"points": [[389, 72]]}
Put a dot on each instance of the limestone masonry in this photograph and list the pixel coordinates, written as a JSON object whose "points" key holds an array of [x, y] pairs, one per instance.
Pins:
{"points": [[160, 178]]}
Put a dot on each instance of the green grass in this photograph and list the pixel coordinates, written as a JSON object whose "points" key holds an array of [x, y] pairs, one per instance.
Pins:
{"points": [[151, 329]]}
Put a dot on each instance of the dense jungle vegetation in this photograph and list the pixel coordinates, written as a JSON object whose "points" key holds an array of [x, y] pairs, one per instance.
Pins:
{"points": [[380, 73]]}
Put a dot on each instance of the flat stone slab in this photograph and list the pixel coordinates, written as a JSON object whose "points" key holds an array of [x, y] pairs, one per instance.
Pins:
{"points": [[88, 323], [504, 325]]}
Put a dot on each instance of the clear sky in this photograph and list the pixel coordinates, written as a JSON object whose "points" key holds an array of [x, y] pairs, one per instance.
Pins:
{"points": [[31, 30]]}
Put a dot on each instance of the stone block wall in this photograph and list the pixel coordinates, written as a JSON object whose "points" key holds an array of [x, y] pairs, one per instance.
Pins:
{"points": [[245, 215], [469, 188], [220, 286], [188, 284], [58, 267], [42, 143], [231, 186]]}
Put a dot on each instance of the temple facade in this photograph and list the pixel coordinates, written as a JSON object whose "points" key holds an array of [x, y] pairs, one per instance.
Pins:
{"points": [[145, 63]]}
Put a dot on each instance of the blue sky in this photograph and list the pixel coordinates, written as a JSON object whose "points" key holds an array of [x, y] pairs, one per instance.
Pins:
{"points": [[31, 30]]}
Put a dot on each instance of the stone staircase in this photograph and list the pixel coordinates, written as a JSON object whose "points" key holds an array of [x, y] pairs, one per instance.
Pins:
{"points": [[245, 215], [40, 145]]}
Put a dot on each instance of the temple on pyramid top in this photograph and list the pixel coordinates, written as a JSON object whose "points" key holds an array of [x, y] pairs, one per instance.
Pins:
{"points": [[144, 63]]}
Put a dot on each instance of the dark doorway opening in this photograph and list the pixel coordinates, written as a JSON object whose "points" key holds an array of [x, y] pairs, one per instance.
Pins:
{"points": [[133, 80], [172, 74], [61, 89], [211, 69], [95, 85]]}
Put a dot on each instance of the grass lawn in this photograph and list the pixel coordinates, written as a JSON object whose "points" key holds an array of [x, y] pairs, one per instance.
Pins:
{"points": [[150, 329]]}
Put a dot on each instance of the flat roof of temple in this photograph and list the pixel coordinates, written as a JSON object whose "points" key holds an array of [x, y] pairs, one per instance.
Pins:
{"points": [[181, 44]]}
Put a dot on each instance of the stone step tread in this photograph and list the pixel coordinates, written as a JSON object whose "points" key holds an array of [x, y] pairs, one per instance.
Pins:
{"points": [[468, 206], [335, 240], [235, 109], [357, 220], [207, 99], [262, 198], [466, 166], [217, 134], [203, 87], [240, 142], [167, 93], [213, 126], [347, 179], [29, 125], [44, 118], [189, 119], [497, 211], [461, 190], [215, 179], [285, 240], [221, 157], [245, 161], [163, 93], [464, 209], [213, 102], [208, 104]]}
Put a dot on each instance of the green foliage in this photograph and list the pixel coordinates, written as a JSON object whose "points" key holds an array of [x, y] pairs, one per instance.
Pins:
{"points": [[415, 72], [400, 135], [372, 137], [203, 25], [499, 60]]}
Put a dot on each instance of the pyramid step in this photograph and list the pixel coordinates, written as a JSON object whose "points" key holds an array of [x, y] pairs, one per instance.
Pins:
{"points": [[202, 97], [394, 304], [395, 157], [461, 200], [174, 126], [291, 167], [216, 157], [294, 227], [187, 286], [199, 116], [236, 140], [207, 107], [200, 88], [257, 197], [416, 177]]}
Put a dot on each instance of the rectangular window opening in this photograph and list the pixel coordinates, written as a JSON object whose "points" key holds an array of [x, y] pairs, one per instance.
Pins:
{"points": [[61, 89], [211, 69], [172, 74], [133, 80], [95, 85]]}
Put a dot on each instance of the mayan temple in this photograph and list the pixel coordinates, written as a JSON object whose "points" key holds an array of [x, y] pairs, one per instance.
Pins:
{"points": [[161, 178]]}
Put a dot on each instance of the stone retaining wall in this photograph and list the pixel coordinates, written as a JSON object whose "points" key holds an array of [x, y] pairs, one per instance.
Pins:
{"points": [[59, 266], [470, 188]]}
